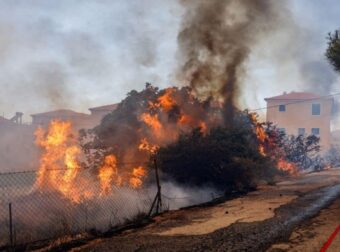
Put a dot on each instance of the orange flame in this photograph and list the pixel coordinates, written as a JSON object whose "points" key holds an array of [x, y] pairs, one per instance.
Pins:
{"points": [[287, 166], [109, 173], [260, 134], [204, 127], [186, 120], [166, 101], [59, 164], [146, 146], [152, 121], [262, 137], [137, 175], [59, 168]]}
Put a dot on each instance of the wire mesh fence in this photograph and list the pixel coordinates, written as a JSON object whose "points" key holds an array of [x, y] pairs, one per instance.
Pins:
{"points": [[29, 214]]}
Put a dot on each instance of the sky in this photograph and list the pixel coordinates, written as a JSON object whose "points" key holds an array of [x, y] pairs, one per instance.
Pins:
{"points": [[80, 54]]}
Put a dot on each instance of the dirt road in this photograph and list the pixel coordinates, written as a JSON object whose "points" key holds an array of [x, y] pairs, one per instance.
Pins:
{"points": [[254, 222], [312, 234]]}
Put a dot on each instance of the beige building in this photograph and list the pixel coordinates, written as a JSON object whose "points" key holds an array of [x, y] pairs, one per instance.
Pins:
{"points": [[79, 120], [304, 113]]}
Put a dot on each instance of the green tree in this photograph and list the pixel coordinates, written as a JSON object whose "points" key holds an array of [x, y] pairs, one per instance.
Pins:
{"points": [[333, 50]]}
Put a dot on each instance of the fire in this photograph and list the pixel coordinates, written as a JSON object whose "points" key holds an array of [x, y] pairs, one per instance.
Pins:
{"points": [[192, 122], [261, 150], [260, 134], [186, 120], [54, 143], [287, 166], [137, 175], [109, 173], [72, 168], [59, 163], [264, 139], [204, 127], [60, 167], [166, 101], [146, 146], [152, 121]]}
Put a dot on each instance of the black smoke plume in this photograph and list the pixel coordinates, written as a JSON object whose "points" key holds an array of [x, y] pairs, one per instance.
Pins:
{"points": [[216, 38]]}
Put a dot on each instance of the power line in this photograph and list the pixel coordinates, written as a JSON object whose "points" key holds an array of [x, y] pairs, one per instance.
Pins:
{"points": [[296, 102]]}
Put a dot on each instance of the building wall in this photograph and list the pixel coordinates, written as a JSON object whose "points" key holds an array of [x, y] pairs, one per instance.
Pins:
{"points": [[78, 122], [299, 115]]}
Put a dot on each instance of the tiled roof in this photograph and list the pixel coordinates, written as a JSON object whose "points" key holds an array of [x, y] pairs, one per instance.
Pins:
{"points": [[61, 113], [295, 96], [110, 107]]}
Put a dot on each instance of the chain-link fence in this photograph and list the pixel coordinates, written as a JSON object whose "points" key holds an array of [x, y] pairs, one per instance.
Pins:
{"points": [[29, 213]]}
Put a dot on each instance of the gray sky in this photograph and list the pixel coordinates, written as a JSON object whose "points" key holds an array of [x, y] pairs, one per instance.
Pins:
{"points": [[80, 54]]}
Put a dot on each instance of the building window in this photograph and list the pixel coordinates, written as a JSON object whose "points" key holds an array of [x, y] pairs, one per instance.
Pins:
{"points": [[316, 109], [282, 108], [315, 131], [301, 131], [282, 130]]}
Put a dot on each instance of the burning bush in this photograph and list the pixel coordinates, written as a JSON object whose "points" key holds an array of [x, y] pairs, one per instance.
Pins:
{"points": [[146, 120]]}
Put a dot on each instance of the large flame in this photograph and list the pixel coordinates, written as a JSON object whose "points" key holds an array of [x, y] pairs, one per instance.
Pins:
{"points": [[59, 162], [60, 169]]}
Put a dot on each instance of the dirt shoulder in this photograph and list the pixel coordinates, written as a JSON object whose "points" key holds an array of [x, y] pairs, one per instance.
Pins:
{"points": [[251, 223], [312, 234], [255, 206]]}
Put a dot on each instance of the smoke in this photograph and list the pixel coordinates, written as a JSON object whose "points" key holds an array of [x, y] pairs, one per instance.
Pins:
{"points": [[53, 59], [177, 196], [17, 150], [215, 41]]}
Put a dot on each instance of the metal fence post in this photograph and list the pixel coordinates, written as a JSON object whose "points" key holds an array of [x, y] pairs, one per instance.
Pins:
{"points": [[10, 226], [158, 199]]}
